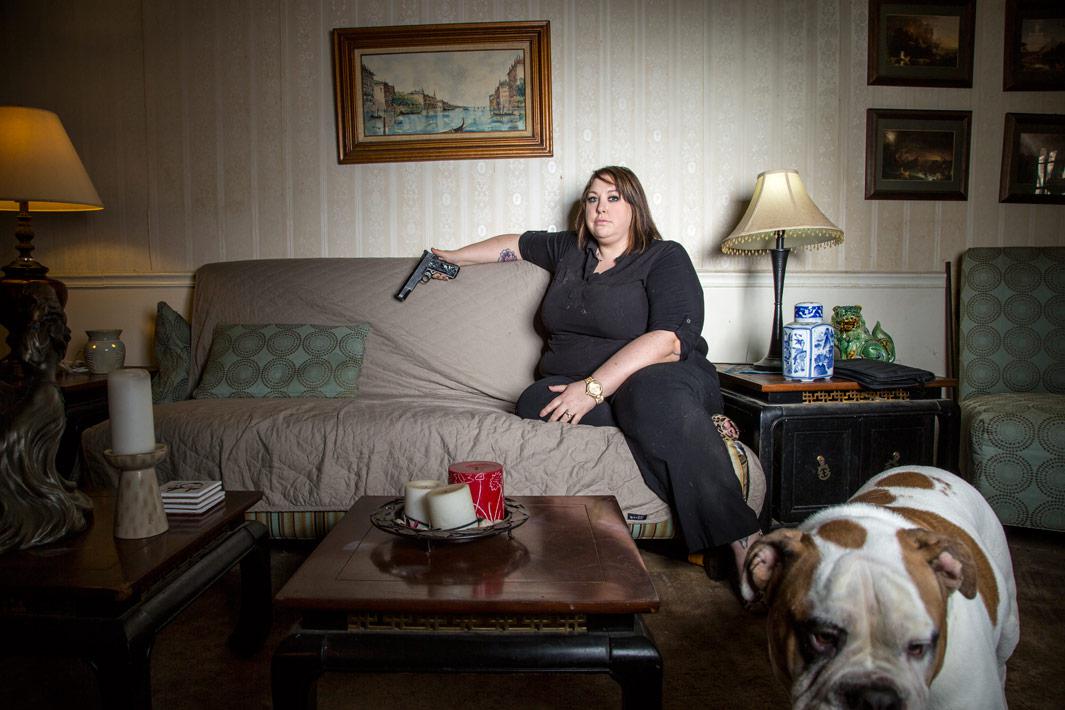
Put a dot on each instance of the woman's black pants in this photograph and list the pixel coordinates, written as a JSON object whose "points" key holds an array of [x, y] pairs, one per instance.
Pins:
{"points": [[665, 412]]}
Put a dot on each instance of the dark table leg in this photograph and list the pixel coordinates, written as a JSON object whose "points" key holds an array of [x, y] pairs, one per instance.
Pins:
{"points": [[294, 671], [256, 595], [949, 437], [636, 666], [123, 672]]}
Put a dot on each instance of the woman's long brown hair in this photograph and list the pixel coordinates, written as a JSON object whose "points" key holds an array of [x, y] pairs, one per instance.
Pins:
{"points": [[642, 231]]}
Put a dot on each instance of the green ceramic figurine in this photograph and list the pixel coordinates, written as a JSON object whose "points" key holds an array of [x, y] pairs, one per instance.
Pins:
{"points": [[853, 339]]}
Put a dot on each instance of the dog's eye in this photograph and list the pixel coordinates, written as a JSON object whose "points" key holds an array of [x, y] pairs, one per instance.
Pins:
{"points": [[819, 639], [918, 649], [824, 640]]}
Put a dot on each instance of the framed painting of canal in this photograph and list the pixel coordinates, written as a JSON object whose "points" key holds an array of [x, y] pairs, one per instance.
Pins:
{"points": [[921, 42], [1035, 46], [1033, 159], [917, 155], [443, 92]]}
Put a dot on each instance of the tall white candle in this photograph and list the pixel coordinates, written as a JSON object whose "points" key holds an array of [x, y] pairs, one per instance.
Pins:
{"points": [[129, 401], [451, 507], [414, 500]]}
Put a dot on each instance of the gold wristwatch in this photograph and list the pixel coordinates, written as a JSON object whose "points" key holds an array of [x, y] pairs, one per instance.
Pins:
{"points": [[594, 389]]}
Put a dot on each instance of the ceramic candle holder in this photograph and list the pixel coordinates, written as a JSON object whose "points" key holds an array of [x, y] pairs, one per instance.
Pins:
{"points": [[104, 351], [139, 507]]}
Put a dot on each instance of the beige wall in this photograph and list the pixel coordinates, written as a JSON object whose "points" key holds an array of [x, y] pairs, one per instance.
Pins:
{"points": [[208, 129]]}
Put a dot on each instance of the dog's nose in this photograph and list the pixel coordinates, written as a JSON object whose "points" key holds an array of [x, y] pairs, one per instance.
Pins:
{"points": [[873, 698]]}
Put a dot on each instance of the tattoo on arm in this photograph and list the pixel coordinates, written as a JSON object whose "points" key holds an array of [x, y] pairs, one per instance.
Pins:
{"points": [[508, 255]]}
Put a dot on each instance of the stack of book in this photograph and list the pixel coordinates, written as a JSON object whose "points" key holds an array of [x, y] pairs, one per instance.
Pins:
{"points": [[191, 497]]}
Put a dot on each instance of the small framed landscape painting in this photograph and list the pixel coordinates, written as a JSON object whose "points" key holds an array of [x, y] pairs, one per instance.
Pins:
{"points": [[921, 42], [442, 92], [1033, 159], [917, 155], [1035, 46]]}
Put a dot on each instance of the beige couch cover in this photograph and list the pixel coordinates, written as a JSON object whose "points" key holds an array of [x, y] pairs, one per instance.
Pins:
{"points": [[442, 372]]}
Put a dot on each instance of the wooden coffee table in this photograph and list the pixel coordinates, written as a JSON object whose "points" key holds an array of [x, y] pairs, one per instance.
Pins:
{"points": [[104, 599], [564, 593]]}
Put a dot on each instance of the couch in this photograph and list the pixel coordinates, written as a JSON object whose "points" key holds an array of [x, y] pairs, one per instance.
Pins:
{"points": [[1011, 381], [438, 380]]}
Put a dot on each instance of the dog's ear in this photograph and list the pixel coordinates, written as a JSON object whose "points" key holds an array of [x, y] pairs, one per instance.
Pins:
{"points": [[950, 558], [767, 560]]}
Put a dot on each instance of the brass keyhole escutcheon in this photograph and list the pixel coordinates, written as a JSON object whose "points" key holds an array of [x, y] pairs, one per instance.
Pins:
{"points": [[823, 471], [893, 461]]}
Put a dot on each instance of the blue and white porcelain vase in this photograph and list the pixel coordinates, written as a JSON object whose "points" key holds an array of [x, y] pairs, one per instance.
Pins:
{"points": [[807, 344]]}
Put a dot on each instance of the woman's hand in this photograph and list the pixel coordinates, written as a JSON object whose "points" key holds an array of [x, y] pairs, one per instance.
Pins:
{"points": [[451, 256], [571, 404]]}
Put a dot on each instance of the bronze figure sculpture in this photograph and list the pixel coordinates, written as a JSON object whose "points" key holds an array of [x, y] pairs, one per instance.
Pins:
{"points": [[37, 504]]}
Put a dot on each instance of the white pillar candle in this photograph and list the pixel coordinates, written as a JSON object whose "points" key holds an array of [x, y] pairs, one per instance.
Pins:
{"points": [[414, 501], [451, 507], [129, 401]]}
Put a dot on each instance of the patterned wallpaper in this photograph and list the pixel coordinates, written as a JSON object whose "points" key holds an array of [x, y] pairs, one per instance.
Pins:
{"points": [[208, 129]]}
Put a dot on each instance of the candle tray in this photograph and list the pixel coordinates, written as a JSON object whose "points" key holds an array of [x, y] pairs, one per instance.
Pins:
{"points": [[390, 518]]}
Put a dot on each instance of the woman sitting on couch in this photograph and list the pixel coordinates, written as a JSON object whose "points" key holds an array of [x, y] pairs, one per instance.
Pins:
{"points": [[624, 316]]}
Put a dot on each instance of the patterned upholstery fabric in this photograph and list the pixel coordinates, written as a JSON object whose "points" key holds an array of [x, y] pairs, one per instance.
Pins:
{"points": [[1012, 380], [173, 352], [283, 361], [1018, 456]]}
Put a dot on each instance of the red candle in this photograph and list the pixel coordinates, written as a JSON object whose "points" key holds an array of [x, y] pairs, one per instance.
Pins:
{"points": [[485, 479]]}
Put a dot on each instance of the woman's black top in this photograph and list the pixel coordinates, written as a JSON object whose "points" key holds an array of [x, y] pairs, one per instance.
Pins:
{"points": [[590, 316]]}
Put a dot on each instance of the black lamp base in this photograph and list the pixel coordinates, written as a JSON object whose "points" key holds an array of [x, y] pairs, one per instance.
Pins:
{"points": [[772, 362], [768, 364], [20, 279]]}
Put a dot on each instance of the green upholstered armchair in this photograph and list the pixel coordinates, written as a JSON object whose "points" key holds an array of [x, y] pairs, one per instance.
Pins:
{"points": [[1011, 381]]}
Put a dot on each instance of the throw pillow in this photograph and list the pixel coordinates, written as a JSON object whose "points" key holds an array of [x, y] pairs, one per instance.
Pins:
{"points": [[283, 360], [173, 353]]}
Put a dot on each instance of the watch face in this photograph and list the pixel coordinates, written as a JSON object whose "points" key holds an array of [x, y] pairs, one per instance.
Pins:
{"points": [[594, 388]]}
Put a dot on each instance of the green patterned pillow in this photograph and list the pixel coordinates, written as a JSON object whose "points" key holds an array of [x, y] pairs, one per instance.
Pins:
{"points": [[173, 352], [281, 360]]}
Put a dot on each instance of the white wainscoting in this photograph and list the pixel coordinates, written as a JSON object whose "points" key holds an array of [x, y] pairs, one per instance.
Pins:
{"points": [[910, 307], [739, 309], [126, 301]]}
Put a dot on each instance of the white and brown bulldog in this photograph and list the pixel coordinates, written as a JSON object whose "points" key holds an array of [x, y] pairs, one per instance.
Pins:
{"points": [[901, 598]]}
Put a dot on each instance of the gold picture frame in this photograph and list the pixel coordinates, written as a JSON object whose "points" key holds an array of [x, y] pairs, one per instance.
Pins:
{"points": [[443, 92]]}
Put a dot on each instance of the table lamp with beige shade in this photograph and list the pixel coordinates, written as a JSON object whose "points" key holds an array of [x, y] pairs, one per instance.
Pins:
{"points": [[40, 171], [780, 217]]}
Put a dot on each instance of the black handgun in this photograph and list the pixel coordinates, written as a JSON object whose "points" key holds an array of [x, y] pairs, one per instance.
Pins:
{"points": [[429, 265]]}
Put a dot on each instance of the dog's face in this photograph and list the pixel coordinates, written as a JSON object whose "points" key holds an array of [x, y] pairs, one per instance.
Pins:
{"points": [[853, 625]]}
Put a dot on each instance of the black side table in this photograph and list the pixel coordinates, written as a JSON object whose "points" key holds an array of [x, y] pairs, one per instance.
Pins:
{"points": [[818, 442]]}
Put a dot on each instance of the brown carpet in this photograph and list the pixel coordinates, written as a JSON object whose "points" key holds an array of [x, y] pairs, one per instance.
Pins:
{"points": [[713, 652]]}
